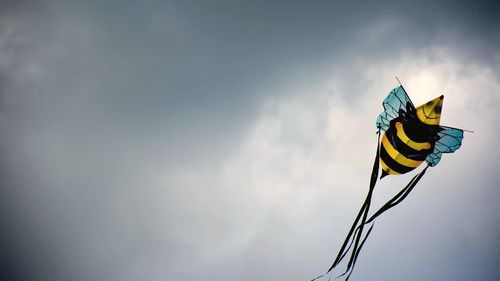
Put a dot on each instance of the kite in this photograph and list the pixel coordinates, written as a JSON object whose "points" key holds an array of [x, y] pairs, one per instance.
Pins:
{"points": [[412, 135]]}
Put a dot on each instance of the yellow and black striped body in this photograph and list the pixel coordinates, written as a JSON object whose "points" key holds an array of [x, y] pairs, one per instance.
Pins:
{"points": [[400, 151], [410, 138]]}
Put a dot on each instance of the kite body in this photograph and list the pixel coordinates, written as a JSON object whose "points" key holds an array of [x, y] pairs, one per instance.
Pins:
{"points": [[410, 138], [413, 135]]}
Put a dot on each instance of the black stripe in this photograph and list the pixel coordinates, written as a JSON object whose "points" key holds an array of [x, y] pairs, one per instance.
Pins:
{"points": [[415, 129], [391, 163], [404, 149]]}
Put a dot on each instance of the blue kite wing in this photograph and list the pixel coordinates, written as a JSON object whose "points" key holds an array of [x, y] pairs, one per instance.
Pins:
{"points": [[450, 139], [396, 100]]}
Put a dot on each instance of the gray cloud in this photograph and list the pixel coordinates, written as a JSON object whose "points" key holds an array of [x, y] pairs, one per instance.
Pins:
{"points": [[185, 140]]}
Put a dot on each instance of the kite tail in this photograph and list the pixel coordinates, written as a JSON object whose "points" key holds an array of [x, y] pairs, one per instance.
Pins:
{"points": [[354, 238], [357, 246], [391, 203], [400, 196], [357, 253], [357, 226]]}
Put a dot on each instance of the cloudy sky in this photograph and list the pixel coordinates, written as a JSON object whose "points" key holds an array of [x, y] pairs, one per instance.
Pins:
{"points": [[233, 140]]}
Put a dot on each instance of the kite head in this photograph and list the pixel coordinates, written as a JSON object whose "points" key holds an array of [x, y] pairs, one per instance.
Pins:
{"points": [[430, 113]]}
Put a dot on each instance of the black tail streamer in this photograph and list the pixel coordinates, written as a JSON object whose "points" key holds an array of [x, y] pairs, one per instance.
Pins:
{"points": [[357, 226], [357, 246], [399, 197], [356, 230], [359, 250]]}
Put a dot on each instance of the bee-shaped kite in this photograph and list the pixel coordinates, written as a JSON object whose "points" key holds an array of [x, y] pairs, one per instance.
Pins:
{"points": [[412, 135]]}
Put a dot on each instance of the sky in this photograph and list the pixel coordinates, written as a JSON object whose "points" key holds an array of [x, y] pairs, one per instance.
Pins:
{"points": [[233, 140]]}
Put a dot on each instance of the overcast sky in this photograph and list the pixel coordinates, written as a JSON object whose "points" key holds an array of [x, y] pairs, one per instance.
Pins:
{"points": [[233, 140]]}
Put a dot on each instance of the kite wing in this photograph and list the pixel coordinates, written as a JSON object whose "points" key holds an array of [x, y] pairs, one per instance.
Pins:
{"points": [[450, 139], [396, 100]]}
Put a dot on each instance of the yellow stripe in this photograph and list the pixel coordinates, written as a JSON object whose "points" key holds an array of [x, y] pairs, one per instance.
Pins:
{"points": [[415, 145], [398, 157], [387, 169]]}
